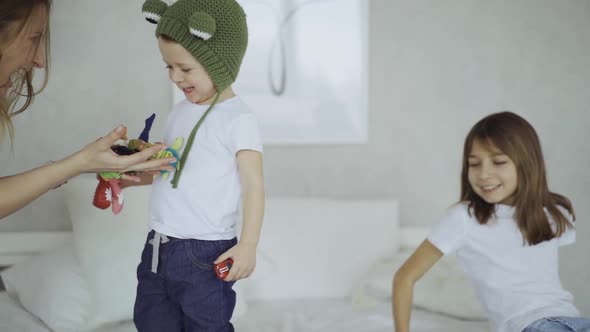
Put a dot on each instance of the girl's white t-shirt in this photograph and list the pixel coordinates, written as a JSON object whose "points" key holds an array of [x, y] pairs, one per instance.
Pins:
{"points": [[516, 283], [205, 205]]}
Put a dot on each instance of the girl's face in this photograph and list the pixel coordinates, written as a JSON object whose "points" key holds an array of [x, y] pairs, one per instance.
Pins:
{"points": [[492, 174], [187, 73], [25, 51]]}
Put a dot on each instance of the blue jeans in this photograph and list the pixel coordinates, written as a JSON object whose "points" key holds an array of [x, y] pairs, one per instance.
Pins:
{"points": [[560, 324], [184, 295]]}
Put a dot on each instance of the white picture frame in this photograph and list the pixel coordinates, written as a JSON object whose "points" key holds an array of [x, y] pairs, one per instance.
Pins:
{"points": [[325, 67]]}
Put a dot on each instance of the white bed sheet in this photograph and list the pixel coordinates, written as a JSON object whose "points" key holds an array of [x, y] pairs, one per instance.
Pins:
{"points": [[14, 318], [281, 316], [341, 316]]}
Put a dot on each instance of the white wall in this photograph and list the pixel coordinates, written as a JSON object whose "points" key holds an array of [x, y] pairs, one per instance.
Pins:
{"points": [[436, 68]]}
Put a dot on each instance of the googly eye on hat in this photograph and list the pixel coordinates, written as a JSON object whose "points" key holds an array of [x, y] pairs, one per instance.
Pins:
{"points": [[153, 10], [202, 25]]}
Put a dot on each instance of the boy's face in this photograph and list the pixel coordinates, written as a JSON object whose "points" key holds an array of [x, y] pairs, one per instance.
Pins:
{"points": [[187, 73], [492, 174]]}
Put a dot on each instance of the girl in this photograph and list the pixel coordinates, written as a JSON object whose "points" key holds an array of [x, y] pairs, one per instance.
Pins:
{"points": [[506, 232]]}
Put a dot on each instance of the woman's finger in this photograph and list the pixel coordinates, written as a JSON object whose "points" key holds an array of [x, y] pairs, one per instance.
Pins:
{"points": [[152, 165], [120, 132], [129, 177], [130, 162]]}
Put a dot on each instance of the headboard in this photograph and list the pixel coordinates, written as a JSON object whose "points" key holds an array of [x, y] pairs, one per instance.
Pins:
{"points": [[16, 246]]}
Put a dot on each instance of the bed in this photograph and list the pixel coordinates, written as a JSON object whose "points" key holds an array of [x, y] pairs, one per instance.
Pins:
{"points": [[324, 265], [279, 316]]}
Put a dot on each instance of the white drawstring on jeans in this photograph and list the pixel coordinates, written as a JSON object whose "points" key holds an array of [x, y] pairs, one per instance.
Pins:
{"points": [[158, 238]]}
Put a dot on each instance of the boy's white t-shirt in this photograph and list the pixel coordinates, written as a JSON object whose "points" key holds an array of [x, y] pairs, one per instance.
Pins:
{"points": [[205, 204], [517, 284]]}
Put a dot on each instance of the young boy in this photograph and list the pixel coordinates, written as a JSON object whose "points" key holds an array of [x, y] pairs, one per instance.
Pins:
{"points": [[193, 216]]}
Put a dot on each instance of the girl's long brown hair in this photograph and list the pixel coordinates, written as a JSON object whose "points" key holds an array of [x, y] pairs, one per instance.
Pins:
{"points": [[19, 12], [515, 137]]}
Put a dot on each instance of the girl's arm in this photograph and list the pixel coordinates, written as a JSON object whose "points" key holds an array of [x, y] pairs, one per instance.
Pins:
{"points": [[404, 280], [21, 189], [252, 182]]}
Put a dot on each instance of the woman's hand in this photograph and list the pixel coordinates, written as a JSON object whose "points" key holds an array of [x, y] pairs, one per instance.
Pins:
{"points": [[98, 157], [244, 257]]}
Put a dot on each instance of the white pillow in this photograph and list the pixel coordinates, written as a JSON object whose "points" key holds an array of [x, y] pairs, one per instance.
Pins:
{"points": [[443, 289], [51, 287], [109, 247], [320, 247]]}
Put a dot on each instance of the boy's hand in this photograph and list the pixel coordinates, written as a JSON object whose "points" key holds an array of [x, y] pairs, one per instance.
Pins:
{"points": [[244, 256], [139, 179]]}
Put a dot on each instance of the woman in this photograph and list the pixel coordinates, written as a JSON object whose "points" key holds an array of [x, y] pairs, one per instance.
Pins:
{"points": [[24, 45]]}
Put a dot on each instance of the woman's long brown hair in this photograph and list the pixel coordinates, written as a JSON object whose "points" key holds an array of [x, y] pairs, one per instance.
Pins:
{"points": [[515, 137], [19, 12]]}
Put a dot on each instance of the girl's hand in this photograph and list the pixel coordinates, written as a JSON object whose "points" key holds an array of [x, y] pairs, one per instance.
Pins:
{"points": [[244, 257], [98, 157]]}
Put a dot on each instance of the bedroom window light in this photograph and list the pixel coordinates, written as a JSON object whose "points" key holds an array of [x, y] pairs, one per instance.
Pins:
{"points": [[305, 71]]}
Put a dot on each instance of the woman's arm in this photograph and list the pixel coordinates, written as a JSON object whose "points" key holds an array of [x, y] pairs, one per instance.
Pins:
{"points": [[18, 190], [244, 253], [404, 280]]}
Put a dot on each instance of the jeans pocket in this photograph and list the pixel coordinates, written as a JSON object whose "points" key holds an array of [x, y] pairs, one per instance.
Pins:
{"points": [[201, 253], [568, 323]]}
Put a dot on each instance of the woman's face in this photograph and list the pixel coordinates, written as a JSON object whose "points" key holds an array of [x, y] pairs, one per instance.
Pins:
{"points": [[25, 50]]}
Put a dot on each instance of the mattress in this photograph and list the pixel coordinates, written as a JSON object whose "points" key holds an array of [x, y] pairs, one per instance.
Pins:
{"points": [[281, 316], [341, 316]]}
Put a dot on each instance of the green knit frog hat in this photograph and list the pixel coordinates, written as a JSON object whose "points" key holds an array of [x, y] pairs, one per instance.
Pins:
{"points": [[213, 31]]}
